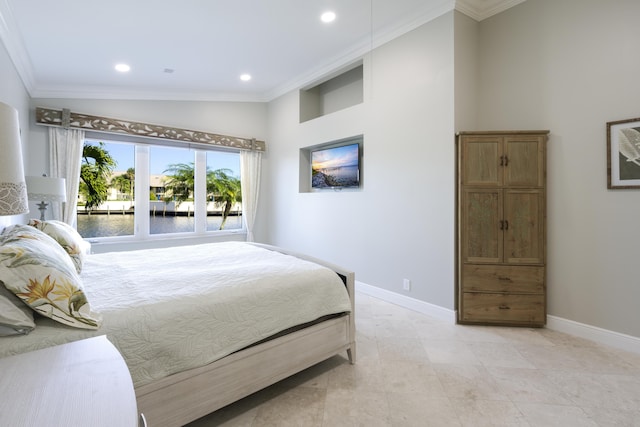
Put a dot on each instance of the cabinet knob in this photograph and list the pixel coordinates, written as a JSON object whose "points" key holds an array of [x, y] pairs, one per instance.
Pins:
{"points": [[504, 278], [504, 307]]}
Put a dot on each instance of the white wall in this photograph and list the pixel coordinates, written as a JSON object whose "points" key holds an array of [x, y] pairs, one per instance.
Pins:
{"points": [[13, 93], [571, 66], [401, 223]]}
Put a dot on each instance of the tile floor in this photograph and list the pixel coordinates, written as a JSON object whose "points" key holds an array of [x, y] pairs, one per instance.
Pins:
{"points": [[414, 370]]}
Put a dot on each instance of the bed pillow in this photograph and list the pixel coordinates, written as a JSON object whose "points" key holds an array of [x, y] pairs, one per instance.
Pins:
{"points": [[67, 237], [16, 318], [37, 270]]}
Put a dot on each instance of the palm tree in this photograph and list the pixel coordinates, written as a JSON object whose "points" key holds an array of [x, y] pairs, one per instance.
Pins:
{"points": [[95, 169], [225, 189], [125, 183], [179, 186]]}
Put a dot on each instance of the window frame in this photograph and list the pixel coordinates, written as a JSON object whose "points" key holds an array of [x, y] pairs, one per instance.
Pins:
{"points": [[141, 228]]}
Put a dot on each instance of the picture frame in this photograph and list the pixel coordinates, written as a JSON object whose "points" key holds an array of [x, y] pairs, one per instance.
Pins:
{"points": [[623, 154]]}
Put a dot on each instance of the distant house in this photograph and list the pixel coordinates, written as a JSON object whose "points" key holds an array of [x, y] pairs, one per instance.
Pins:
{"points": [[156, 186]]}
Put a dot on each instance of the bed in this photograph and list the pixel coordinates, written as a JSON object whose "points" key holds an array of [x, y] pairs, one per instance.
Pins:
{"points": [[173, 314]]}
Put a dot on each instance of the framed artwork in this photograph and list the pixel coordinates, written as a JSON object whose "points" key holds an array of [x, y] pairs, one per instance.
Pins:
{"points": [[623, 154]]}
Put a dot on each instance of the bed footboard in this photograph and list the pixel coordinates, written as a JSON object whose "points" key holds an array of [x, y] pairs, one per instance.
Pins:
{"points": [[184, 397], [347, 277], [187, 396]]}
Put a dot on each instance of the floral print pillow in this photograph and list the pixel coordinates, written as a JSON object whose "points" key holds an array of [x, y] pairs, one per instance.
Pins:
{"points": [[67, 237], [37, 270]]}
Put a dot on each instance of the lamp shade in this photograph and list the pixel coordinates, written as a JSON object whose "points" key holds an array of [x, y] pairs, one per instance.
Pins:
{"points": [[13, 190], [46, 189]]}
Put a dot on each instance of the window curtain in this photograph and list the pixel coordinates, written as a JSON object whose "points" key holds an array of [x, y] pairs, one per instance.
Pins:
{"points": [[250, 165], [65, 158]]}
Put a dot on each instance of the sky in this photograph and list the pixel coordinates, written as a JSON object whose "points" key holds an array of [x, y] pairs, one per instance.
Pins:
{"points": [[335, 157], [160, 157]]}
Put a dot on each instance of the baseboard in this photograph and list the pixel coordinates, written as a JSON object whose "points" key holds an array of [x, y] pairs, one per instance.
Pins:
{"points": [[433, 310], [593, 333]]}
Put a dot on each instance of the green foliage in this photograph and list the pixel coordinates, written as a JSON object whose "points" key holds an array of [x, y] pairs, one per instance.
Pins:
{"points": [[95, 169], [223, 188], [180, 183], [125, 183]]}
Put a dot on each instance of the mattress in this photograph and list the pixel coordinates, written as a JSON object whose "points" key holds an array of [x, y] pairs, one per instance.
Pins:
{"points": [[172, 309]]}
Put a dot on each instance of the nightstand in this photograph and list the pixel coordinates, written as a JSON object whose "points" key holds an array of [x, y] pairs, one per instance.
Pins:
{"points": [[82, 383]]}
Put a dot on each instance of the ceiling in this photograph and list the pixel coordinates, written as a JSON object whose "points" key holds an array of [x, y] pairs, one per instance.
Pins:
{"points": [[197, 49]]}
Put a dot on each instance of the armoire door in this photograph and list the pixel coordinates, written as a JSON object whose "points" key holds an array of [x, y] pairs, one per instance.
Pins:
{"points": [[523, 226], [482, 238]]}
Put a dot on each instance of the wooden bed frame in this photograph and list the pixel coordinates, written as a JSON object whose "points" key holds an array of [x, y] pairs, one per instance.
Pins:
{"points": [[186, 396]]}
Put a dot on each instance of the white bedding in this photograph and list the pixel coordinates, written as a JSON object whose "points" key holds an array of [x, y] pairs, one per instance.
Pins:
{"points": [[172, 309]]}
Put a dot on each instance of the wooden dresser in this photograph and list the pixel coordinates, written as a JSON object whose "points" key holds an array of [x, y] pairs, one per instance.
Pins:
{"points": [[501, 227], [83, 383]]}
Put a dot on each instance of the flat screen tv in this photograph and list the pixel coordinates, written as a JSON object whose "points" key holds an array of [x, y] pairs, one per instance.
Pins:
{"points": [[336, 167]]}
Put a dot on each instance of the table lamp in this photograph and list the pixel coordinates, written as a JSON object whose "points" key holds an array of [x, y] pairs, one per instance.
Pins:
{"points": [[13, 190], [46, 189]]}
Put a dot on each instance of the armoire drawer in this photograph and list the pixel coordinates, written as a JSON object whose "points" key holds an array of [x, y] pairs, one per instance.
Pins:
{"points": [[502, 278], [503, 308]]}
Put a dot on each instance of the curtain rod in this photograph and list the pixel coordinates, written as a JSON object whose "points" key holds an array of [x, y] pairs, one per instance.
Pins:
{"points": [[67, 119]]}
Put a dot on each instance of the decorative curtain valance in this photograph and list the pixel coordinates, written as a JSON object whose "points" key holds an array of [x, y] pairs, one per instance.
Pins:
{"points": [[68, 119]]}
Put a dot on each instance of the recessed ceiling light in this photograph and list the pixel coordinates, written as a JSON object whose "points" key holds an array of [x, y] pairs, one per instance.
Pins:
{"points": [[123, 68], [328, 17], [245, 77]]}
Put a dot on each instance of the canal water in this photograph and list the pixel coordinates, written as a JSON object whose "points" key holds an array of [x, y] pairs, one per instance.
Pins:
{"points": [[122, 225]]}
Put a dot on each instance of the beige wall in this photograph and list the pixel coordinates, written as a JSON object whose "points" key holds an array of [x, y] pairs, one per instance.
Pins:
{"points": [[571, 66], [467, 59]]}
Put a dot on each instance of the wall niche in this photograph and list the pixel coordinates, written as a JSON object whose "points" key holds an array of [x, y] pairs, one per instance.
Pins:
{"points": [[335, 92], [334, 166]]}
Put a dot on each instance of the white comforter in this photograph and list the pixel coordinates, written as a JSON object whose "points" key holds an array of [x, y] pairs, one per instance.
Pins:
{"points": [[172, 309]]}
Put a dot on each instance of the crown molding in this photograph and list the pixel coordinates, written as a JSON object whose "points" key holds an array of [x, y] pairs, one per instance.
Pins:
{"points": [[15, 47], [483, 9]]}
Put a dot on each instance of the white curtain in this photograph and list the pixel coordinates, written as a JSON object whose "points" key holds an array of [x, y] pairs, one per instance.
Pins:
{"points": [[250, 165], [65, 158]]}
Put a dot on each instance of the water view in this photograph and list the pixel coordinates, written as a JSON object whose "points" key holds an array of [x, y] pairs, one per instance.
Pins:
{"points": [[122, 225], [343, 173], [343, 176]]}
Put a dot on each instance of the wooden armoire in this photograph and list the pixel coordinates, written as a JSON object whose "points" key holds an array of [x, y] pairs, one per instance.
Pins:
{"points": [[501, 227]]}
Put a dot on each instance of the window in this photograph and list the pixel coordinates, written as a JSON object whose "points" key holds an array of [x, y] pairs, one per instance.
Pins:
{"points": [[171, 194], [106, 203], [184, 190], [224, 207]]}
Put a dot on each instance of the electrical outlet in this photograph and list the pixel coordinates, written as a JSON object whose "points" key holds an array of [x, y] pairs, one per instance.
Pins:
{"points": [[406, 284]]}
